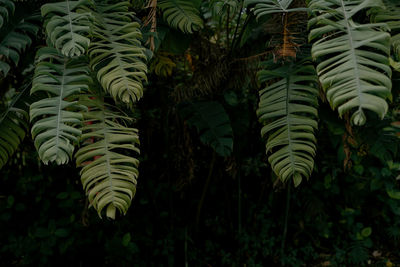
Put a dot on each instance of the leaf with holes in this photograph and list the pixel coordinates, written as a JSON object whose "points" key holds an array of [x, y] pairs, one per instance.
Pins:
{"points": [[107, 157], [353, 58], [56, 115], [288, 111]]}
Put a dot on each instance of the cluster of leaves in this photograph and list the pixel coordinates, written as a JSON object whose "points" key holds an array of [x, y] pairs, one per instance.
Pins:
{"points": [[207, 61]]}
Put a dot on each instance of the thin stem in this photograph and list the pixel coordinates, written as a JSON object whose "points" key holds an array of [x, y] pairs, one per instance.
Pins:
{"points": [[246, 22], [239, 204], [237, 28], [205, 189], [227, 27], [285, 226]]}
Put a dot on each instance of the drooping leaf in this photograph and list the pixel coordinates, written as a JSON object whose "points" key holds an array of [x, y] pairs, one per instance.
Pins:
{"points": [[212, 124], [67, 26], [288, 111], [16, 38], [13, 127], [353, 58], [181, 14], [389, 14], [267, 7], [107, 157], [116, 52], [56, 116], [7, 8]]}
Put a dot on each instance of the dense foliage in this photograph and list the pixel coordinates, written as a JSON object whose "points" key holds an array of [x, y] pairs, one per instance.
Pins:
{"points": [[95, 92]]}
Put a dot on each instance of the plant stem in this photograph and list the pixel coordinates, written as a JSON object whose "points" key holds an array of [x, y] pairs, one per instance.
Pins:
{"points": [[286, 220], [237, 28], [205, 189], [227, 27]]}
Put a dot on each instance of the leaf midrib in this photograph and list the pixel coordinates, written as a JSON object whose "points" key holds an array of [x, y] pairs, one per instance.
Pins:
{"points": [[59, 108], [106, 154], [288, 94], [353, 55]]}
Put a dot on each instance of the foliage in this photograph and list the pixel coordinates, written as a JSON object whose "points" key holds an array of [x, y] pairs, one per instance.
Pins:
{"points": [[116, 54], [353, 76], [181, 14], [13, 125], [212, 124], [56, 116], [288, 110], [66, 28], [212, 191], [15, 39], [108, 172]]}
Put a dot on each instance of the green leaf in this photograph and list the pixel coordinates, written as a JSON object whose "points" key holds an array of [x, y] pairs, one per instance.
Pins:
{"points": [[359, 169], [13, 126], [67, 26], [126, 239], [15, 39], [57, 114], [389, 13], [61, 232], [267, 7], [366, 232], [181, 14], [116, 53], [393, 194], [109, 169], [7, 8], [287, 109], [62, 195], [42, 232], [353, 58], [212, 124]]}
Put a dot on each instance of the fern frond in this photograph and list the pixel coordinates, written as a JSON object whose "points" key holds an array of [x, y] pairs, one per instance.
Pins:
{"points": [[13, 126], [268, 7], [287, 109], [181, 14], [109, 168], [57, 114], [116, 53], [67, 26], [354, 65], [15, 40]]}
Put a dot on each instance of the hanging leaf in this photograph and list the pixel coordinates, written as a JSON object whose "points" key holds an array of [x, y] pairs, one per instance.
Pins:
{"points": [[67, 26], [107, 157], [181, 14], [57, 114], [354, 65], [288, 111], [116, 53]]}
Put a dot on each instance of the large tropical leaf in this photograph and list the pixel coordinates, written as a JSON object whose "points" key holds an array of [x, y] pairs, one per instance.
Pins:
{"points": [[116, 52], [212, 124], [15, 38], [390, 14], [354, 64], [109, 168], [287, 109], [267, 7], [56, 116], [66, 27], [13, 126], [7, 8], [181, 14]]}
